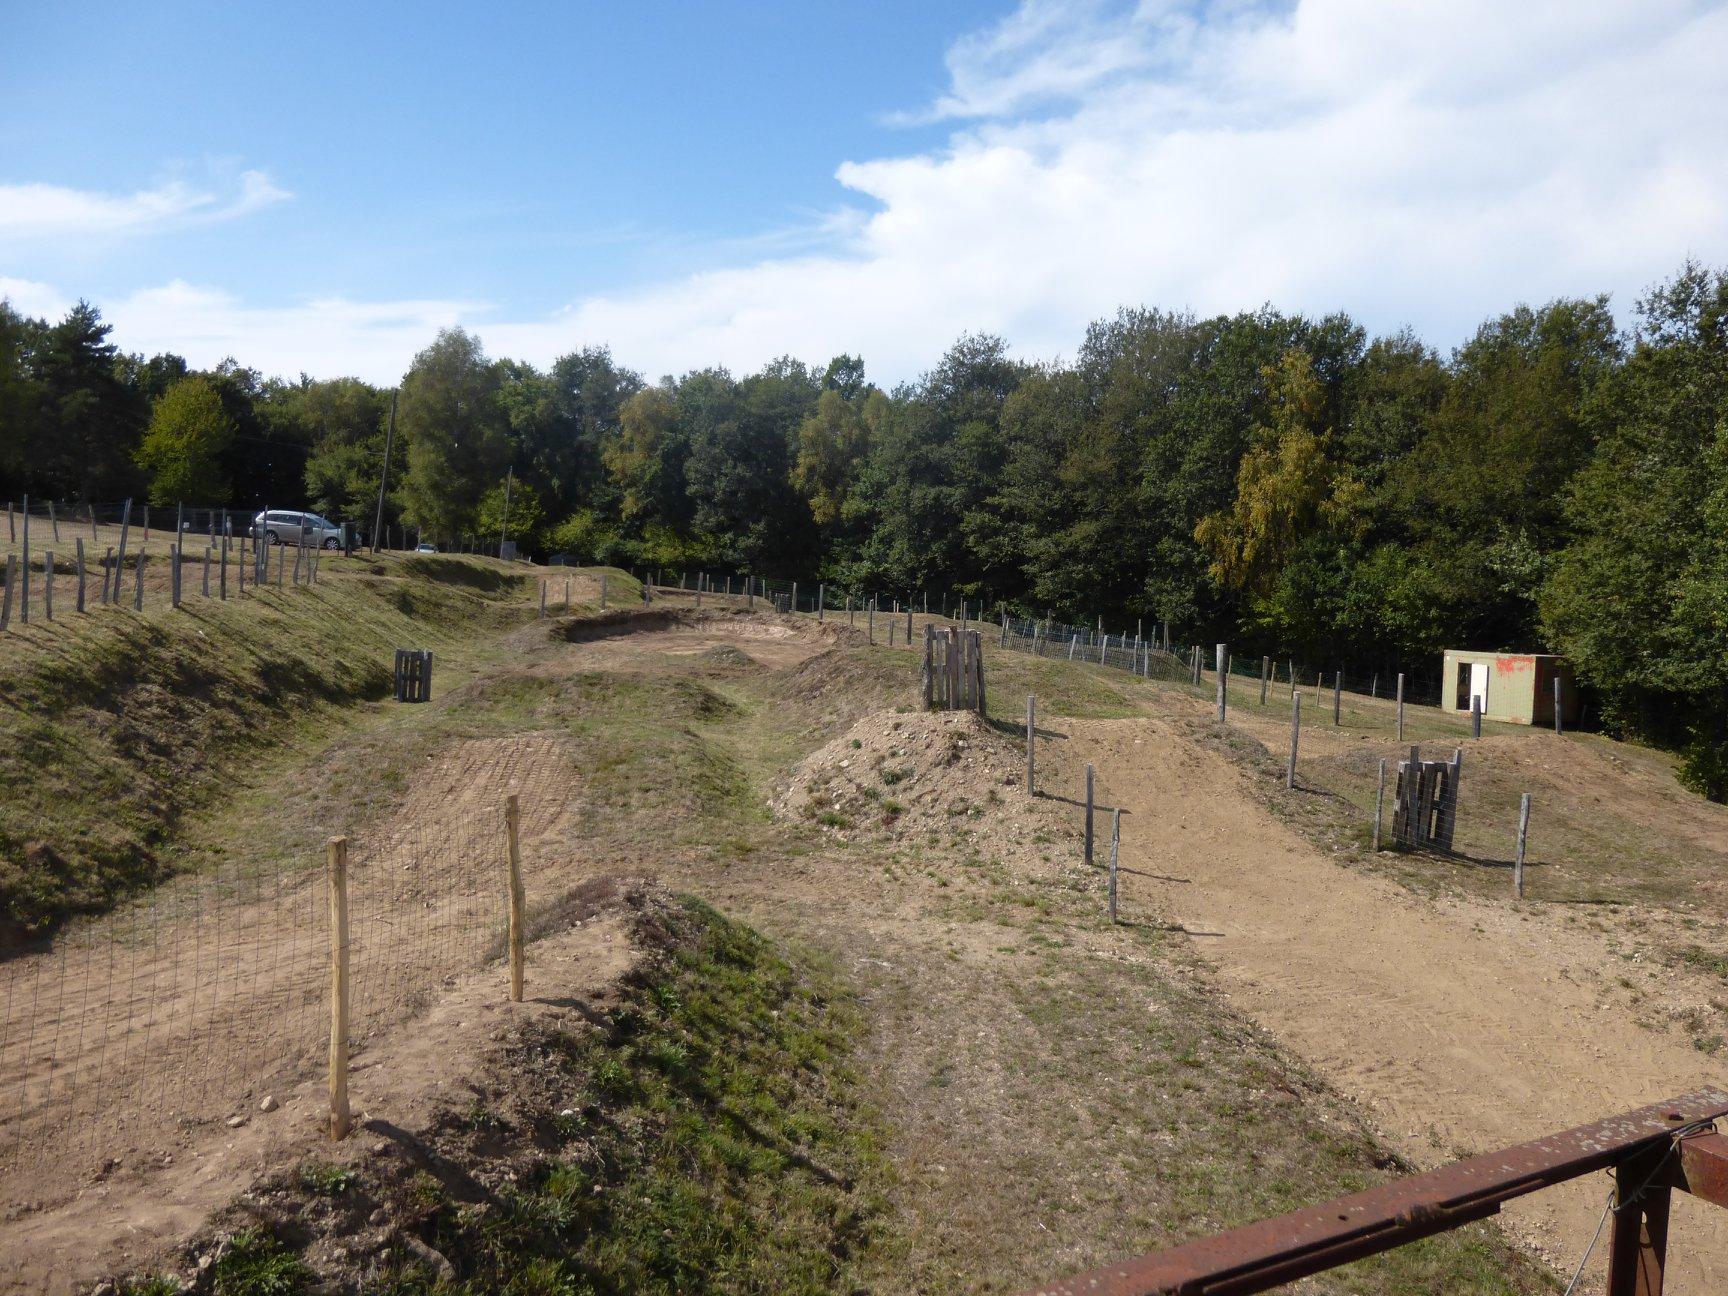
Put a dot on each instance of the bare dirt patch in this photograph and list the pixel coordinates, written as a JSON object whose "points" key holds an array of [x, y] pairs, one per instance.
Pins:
{"points": [[1459, 1026]]}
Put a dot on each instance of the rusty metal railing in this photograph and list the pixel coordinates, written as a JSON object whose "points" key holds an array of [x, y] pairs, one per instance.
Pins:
{"points": [[1652, 1151]]}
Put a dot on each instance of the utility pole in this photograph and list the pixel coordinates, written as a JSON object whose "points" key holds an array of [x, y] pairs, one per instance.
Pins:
{"points": [[504, 528], [384, 477]]}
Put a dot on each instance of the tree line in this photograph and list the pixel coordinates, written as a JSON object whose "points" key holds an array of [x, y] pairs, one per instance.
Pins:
{"points": [[1290, 484]]}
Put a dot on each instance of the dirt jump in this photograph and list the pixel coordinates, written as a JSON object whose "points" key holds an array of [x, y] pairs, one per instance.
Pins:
{"points": [[1458, 1026]]}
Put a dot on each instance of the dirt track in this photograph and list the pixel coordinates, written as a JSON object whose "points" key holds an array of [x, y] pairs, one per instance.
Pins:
{"points": [[1458, 1027]]}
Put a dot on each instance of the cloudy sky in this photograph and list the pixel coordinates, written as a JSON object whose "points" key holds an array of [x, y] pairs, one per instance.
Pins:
{"points": [[320, 188]]}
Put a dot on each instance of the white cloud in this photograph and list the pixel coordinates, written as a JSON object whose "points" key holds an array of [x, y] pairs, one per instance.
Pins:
{"points": [[1430, 162], [325, 336], [31, 212], [38, 300]]}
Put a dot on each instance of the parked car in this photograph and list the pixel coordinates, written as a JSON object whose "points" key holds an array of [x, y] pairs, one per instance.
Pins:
{"points": [[279, 526], [423, 547]]}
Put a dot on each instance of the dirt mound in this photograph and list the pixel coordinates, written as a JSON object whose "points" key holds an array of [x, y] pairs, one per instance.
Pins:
{"points": [[906, 773], [725, 657]]}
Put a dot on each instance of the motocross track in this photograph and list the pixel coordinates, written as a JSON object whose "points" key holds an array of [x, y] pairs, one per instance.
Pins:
{"points": [[1458, 1026]]}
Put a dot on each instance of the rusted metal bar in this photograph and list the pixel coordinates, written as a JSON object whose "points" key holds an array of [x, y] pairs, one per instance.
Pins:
{"points": [[1269, 1252]]}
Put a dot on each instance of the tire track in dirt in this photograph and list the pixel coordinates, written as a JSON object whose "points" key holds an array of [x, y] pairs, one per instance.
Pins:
{"points": [[1457, 1026]]}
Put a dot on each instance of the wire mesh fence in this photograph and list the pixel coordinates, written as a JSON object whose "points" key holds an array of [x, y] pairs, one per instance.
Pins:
{"points": [[185, 1008]]}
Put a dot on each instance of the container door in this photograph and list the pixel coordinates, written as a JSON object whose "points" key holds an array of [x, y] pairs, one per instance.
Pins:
{"points": [[1478, 685]]}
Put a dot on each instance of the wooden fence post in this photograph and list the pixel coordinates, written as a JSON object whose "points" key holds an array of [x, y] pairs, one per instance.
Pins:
{"points": [[822, 603], [6, 600], [24, 590], [1295, 737], [870, 621], [223, 579], [53, 522], [542, 598], [1523, 833], [48, 585], [1379, 805], [602, 591], [1476, 716], [119, 562], [110, 573], [206, 571], [340, 1118], [1031, 744], [1223, 676], [1400, 706], [512, 830], [80, 548], [1557, 721], [1338, 697], [792, 606], [1089, 773], [174, 575], [1265, 669], [1115, 850]]}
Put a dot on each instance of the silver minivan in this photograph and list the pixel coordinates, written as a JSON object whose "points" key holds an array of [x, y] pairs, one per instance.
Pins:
{"points": [[280, 526]]}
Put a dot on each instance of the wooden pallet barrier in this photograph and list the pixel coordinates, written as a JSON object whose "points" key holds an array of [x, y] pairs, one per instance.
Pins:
{"points": [[953, 669]]}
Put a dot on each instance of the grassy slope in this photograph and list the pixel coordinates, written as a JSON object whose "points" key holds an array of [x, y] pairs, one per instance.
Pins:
{"points": [[114, 724]]}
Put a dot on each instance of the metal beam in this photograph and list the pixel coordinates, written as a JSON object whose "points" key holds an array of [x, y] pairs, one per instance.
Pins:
{"points": [[1269, 1252]]}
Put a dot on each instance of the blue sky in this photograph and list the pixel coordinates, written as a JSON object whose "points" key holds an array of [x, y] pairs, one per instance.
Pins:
{"points": [[321, 187]]}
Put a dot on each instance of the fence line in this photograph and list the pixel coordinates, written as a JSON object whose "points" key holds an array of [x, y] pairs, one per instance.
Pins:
{"points": [[191, 1005]]}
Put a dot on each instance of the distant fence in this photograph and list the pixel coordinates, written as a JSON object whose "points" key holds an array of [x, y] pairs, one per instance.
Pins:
{"points": [[61, 560]]}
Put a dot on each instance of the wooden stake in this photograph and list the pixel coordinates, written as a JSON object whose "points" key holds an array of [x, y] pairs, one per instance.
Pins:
{"points": [[1557, 721], [337, 859], [1031, 744], [1379, 805], [1400, 706], [1523, 834], [1476, 716], [1089, 815], [138, 583], [1295, 737], [512, 830], [80, 547], [1265, 669], [1223, 675], [206, 571], [1338, 697], [48, 585], [1115, 850], [174, 575], [11, 580], [24, 590]]}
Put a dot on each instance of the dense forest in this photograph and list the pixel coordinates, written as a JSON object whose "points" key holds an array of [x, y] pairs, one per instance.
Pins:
{"points": [[1292, 485]]}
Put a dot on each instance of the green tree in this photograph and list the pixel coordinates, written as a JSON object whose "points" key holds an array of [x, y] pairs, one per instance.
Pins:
{"points": [[1637, 600], [183, 447], [457, 432]]}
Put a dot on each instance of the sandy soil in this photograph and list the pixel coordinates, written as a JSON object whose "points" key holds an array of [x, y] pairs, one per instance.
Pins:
{"points": [[1459, 1026]]}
